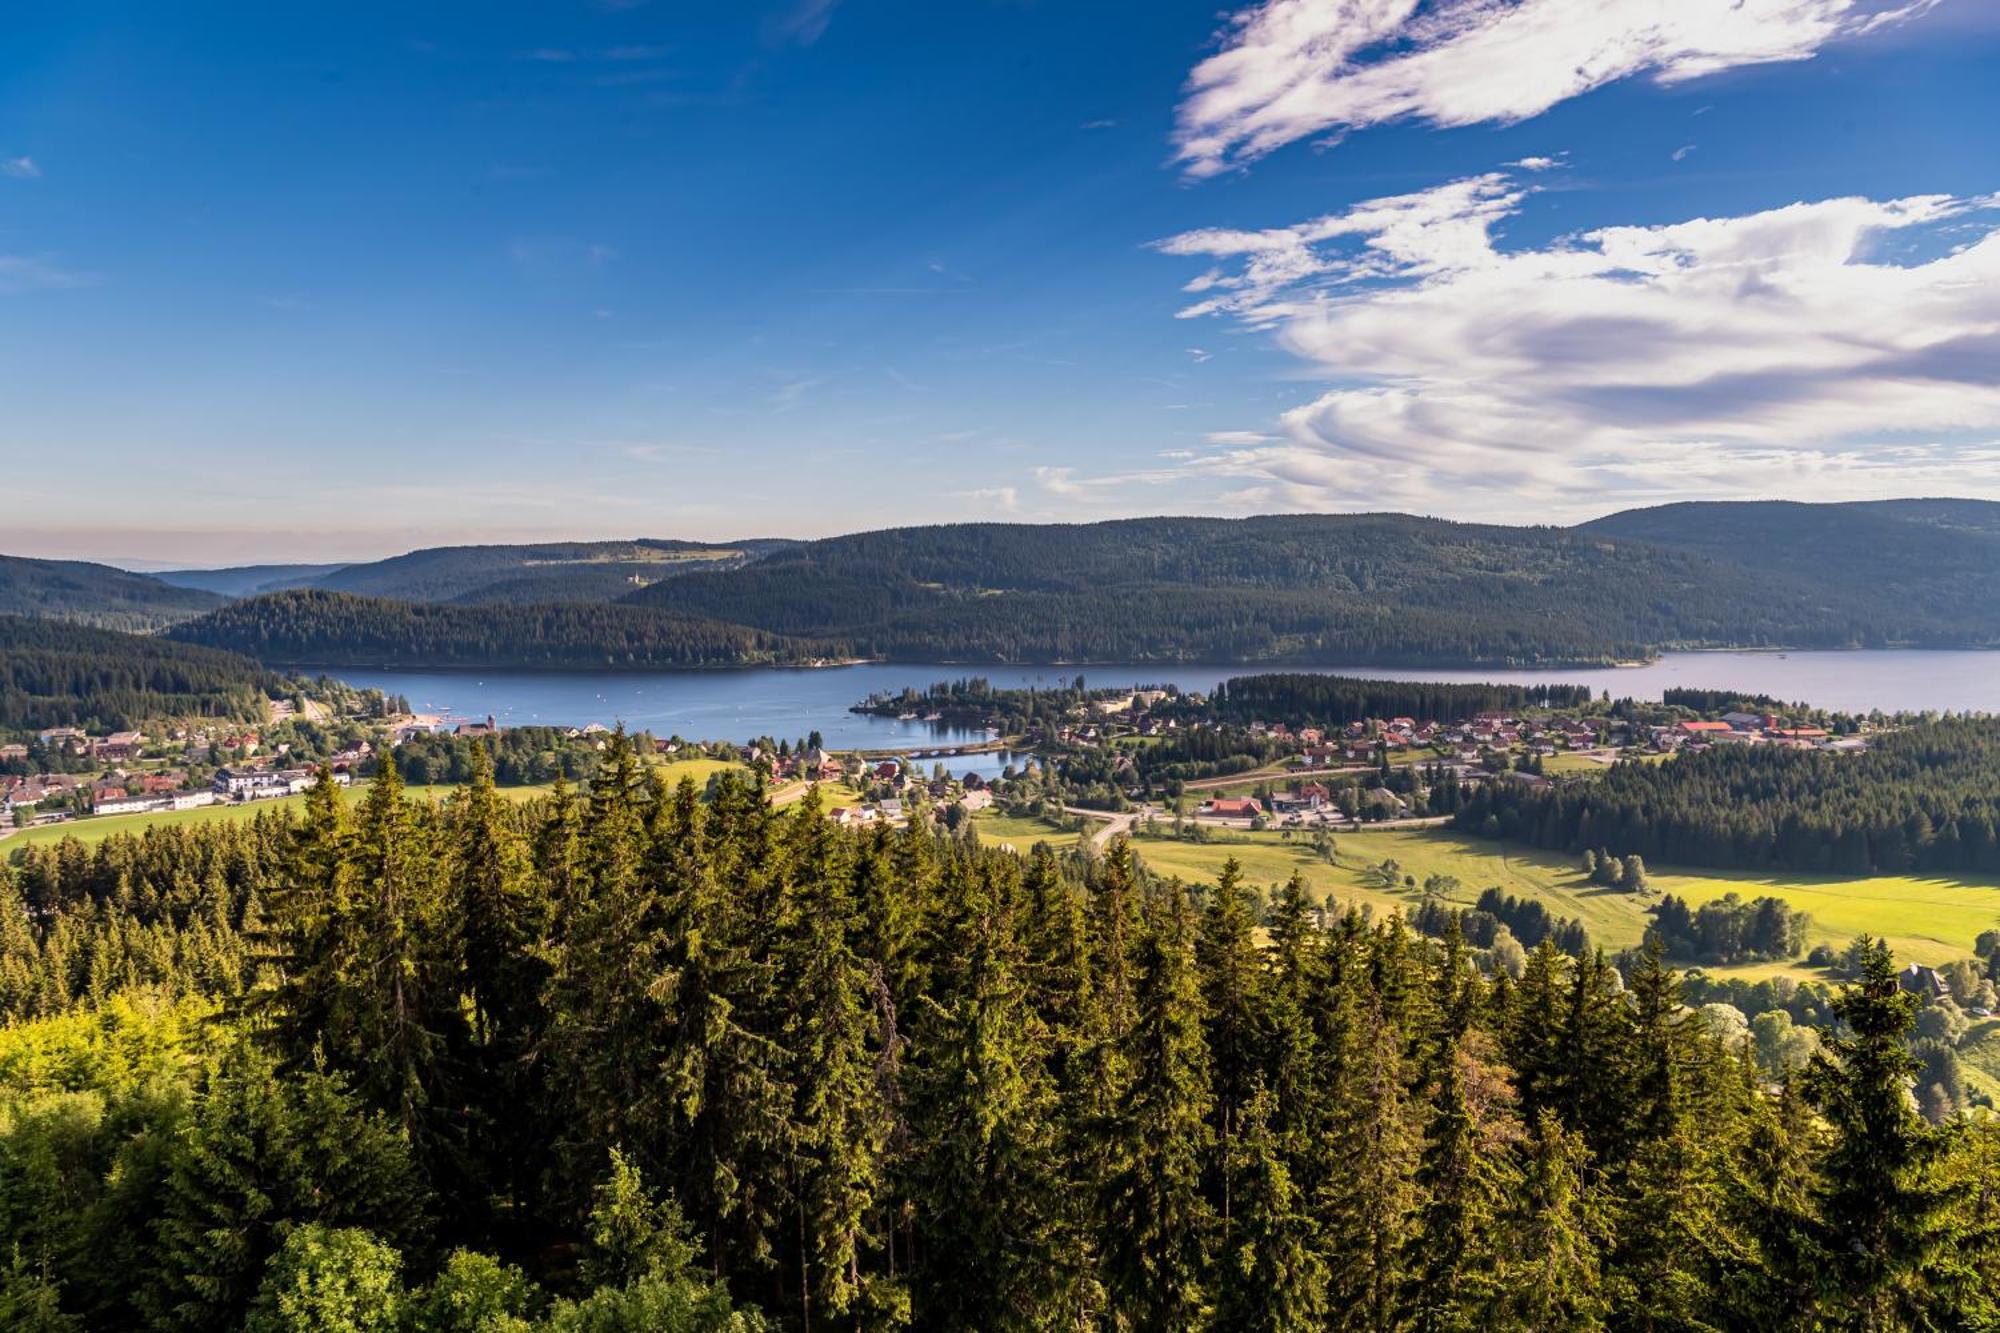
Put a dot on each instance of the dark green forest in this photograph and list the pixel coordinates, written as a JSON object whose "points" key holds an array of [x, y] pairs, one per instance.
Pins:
{"points": [[1387, 589], [635, 1060], [56, 674], [307, 626], [95, 594], [1922, 798], [1334, 701], [1369, 587]]}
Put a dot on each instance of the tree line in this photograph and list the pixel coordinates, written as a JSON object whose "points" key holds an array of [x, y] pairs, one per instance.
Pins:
{"points": [[1335, 701], [1921, 799], [313, 627], [632, 1059], [57, 674]]}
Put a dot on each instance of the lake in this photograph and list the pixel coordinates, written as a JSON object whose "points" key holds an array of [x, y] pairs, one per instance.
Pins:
{"points": [[789, 703]]}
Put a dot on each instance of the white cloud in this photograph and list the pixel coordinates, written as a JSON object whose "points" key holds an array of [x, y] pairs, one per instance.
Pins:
{"points": [[1239, 438], [1295, 69], [1681, 153], [20, 168], [1005, 499], [1840, 347]]}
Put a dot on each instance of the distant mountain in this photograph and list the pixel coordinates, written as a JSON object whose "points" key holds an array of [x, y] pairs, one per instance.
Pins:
{"points": [[1379, 587], [317, 628], [550, 572], [247, 580], [1359, 589], [1917, 570], [95, 594]]}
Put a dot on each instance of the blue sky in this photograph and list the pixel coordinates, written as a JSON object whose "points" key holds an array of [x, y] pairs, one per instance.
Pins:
{"points": [[327, 282]]}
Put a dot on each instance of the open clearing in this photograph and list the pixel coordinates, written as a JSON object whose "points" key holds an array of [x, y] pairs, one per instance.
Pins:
{"points": [[1925, 920]]}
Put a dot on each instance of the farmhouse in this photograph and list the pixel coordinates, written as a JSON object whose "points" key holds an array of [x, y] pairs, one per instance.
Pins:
{"points": [[1232, 807]]}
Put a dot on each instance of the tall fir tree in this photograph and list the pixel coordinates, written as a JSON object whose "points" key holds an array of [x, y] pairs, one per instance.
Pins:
{"points": [[1886, 1216], [1271, 1277], [1157, 1220]]}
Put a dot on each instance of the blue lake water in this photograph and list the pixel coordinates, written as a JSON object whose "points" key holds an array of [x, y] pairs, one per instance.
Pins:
{"points": [[788, 703]]}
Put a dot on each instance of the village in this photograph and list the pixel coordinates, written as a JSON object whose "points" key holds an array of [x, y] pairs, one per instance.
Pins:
{"points": [[1272, 774], [129, 772]]}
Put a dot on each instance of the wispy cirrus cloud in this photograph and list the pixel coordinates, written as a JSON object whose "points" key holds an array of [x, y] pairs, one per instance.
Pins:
{"points": [[22, 168], [20, 273], [1300, 69], [803, 22], [1834, 347]]}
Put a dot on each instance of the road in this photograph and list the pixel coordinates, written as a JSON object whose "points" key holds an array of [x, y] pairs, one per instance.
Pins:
{"points": [[1115, 822]]}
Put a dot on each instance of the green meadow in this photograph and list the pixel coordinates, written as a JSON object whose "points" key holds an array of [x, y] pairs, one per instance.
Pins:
{"points": [[98, 828], [1924, 919]]}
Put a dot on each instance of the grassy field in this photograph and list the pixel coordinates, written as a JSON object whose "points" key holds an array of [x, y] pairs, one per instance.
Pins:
{"points": [[1925, 920], [701, 770], [97, 829], [997, 830], [100, 827]]}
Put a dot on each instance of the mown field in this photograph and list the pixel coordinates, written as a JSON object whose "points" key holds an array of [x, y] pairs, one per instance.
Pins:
{"points": [[1925, 920]]}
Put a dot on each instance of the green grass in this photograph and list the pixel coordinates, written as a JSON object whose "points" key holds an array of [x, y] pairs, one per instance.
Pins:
{"points": [[97, 828], [1979, 1056], [701, 770], [1564, 761], [996, 829], [1925, 920]]}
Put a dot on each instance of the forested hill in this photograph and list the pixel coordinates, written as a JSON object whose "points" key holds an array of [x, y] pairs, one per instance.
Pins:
{"points": [[1921, 800], [94, 594], [1930, 566], [549, 572], [247, 580], [1360, 588], [313, 627], [1382, 589], [54, 674]]}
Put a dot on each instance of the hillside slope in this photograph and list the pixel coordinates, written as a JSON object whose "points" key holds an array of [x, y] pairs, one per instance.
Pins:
{"points": [[247, 580], [1344, 588], [1922, 571], [314, 627], [550, 572], [95, 594], [54, 674]]}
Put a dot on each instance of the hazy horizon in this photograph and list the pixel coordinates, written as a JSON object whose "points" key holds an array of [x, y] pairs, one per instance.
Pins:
{"points": [[143, 564]]}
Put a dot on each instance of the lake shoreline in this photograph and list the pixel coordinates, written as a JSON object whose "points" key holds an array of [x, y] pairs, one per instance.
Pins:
{"points": [[738, 704]]}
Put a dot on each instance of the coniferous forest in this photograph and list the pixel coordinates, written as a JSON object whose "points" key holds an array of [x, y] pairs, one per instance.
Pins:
{"points": [[1923, 798], [1299, 588], [664, 1060], [56, 674], [1301, 699]]}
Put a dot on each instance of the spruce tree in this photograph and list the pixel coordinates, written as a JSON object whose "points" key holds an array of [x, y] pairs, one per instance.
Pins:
{"points": [[1552, 1272], [1232, 976], [1157, 1220], [831, 1038], [1465, 1173], [1271, 1277], [990, 1173], [1884, 1214], [1368, 1193]]}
